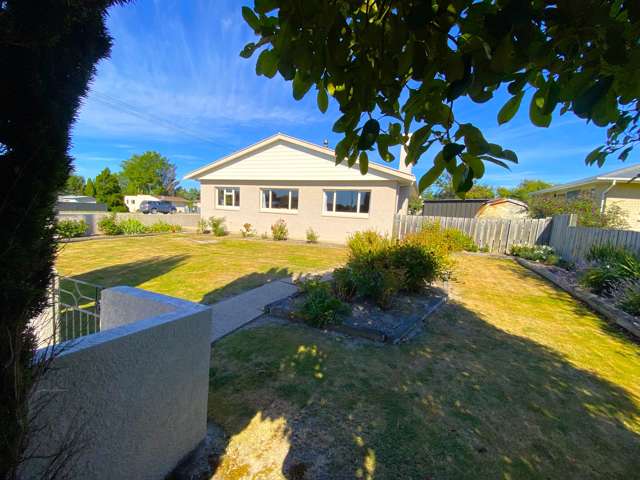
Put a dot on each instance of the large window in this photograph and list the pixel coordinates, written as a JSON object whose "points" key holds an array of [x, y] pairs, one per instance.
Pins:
{"points": [[347, 201], [279, 199], [229, 197]]}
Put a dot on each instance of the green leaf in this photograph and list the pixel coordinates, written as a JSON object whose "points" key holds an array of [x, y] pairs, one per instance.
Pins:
{"points": [[432, 175], [475, 164], [451, 150], [342, 148], [593, 156], [265, 6], [248, 50], [509, 155], [267, 63], [323, 99], [363, 162], [300, 86], [370, 132], [625, 153], [473, 139], [383, 148], [251, 19], [508, 111], [536, 114]]}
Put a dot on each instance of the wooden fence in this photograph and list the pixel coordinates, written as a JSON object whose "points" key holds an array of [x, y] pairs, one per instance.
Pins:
{"points": [[496, 235], [573, 243]]}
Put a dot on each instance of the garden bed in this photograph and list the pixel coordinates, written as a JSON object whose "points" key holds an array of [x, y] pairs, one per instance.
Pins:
{"points": [[366, 320], [568, 281]]}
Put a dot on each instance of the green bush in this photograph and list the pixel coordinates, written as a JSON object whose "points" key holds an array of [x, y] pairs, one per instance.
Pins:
{"points": [[203, 226], [535, 253], [217, 226], [164, 227], [320, 307], [612, 266], [444, 240], [71, 228], [132, 226], [630, 301], [312, 236], [344, 284], [586, 208], [420, 266], [109, 225], [279, 230], [368, 242]]}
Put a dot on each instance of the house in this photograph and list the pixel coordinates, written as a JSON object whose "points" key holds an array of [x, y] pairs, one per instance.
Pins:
{"points": [[620, 187], [79, 203], [286, 178], [475, 208], [133, 201]]}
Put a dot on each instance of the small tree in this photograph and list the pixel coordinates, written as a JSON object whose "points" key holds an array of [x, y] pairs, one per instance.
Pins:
{"points": [[415, 204], [75, 185], [108, 191], [89, 188], [584, 207], [524, 189]]}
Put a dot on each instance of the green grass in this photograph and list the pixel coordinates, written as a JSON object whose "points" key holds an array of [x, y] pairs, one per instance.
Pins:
{"points": [[512, 380], [178, 265]]}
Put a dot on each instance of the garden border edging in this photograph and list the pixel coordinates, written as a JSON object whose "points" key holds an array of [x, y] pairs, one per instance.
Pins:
{"points": [[613, 314]]}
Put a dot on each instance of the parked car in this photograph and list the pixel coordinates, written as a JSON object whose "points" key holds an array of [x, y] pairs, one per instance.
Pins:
{"points": [[151, 206]]}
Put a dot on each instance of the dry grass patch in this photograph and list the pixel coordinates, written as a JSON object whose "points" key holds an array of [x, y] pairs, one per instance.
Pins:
{"points": [[514, 379]]}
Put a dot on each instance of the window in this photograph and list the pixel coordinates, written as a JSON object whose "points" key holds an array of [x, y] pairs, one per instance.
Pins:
{"points": [[229, 197], [347, 201], [279, 199], [573, 194]]}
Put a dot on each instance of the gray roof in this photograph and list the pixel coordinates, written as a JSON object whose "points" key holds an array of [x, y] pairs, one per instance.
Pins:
{"points": [[627, 174]]}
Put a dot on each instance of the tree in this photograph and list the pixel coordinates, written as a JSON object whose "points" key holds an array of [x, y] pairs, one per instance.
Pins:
{"points": [[89, 188], [444, 188], [524, 189], [584, 207], [149, 173], [74, 185], [108, 191], [48, 53], [416, 204], [396, 67], [192, 194]]}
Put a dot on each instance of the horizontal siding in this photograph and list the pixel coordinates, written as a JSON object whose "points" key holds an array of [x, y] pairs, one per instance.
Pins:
{"points": [[289, 162]]}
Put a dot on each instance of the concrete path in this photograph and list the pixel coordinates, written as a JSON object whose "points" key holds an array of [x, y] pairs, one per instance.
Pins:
{"points": [[230, 314]]}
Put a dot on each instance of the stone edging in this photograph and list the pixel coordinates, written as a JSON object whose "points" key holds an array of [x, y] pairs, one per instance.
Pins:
{"points": [[611, 313]]}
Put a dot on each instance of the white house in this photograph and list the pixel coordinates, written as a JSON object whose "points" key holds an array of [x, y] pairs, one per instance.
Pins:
{"points": [[286, 178]]}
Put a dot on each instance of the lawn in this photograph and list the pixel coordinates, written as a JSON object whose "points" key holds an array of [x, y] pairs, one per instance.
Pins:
{"points": [[513, 380], [200, 268]]}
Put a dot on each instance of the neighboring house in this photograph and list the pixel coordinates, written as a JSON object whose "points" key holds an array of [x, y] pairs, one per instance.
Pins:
{"points": [[133, 201], [79, 203], [476, 208], [298, 181], [620, 187]]}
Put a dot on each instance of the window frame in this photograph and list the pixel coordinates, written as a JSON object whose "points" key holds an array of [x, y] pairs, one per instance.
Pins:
{"points": [[334, 213], [228, 191], [270, 209]]}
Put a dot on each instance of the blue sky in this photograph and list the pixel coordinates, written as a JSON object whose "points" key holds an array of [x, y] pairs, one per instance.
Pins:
{"points": [[176, 84]]}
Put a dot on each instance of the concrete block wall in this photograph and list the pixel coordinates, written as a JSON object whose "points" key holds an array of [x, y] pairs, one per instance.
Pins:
{"points": [[132, 398], [188, 221]]}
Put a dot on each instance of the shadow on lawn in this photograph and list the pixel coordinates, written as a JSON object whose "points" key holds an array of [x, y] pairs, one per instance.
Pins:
{"points": [[132, 274], [244, 283], [463, 400]]}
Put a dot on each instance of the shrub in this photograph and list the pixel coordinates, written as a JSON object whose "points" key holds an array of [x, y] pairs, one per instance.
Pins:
{"points": [[343, 284], [444, 240], [320, 307], [71, 228], [535, 253], [612, 266], [602, 279], [419, 265], [217, 226], [368, 242], [132, 226], [630, 301], [203, 226], [164, 227], [109, 225], [586, 208], [247, 230], [264, 236], [312, 236], [279, 230], [375, 278]]}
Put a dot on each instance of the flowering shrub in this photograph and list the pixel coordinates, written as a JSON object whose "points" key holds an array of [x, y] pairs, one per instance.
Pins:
{"points": [[535, 253], [279, 230]]}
